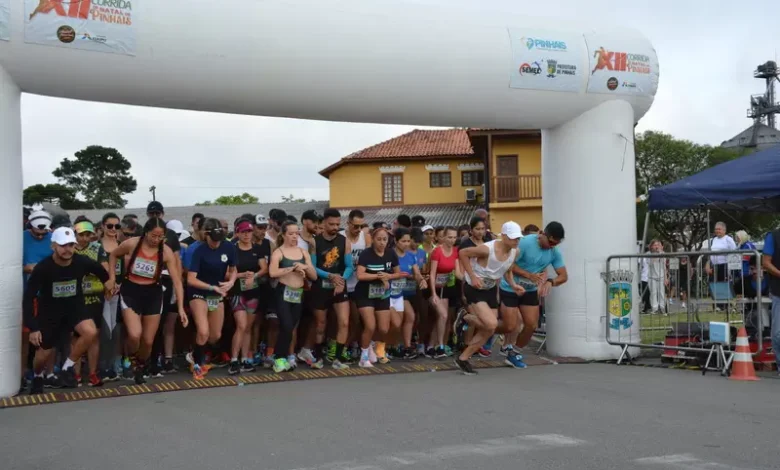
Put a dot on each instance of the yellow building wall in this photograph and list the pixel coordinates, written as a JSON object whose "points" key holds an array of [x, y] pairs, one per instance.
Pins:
{"points": [[523, 216], [360, 184], [529, 155]]}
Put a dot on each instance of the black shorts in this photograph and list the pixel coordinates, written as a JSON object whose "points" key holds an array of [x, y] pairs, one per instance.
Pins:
{"points": [[475, 296], [94, 309], [323, 299], [56, 327], [447, 292], [142, 299], [377, 304], [512, 300]]}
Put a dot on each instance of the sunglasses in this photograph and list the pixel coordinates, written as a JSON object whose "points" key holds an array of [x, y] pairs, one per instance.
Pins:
{"points": [[113, 226]]}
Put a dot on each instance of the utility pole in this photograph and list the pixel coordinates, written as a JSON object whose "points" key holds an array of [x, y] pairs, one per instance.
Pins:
{"points": [[153, 190]]}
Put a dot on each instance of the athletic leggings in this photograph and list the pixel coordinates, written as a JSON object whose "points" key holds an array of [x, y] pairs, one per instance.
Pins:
{"points": [[289, 315]]}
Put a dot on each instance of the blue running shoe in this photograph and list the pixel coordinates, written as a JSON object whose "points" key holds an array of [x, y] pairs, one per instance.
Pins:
{"points": [[515, 360]]}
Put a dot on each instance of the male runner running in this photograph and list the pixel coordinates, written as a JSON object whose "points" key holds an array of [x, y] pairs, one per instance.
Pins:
{"points": [[57, 283], [358, 239], [333, 262]]}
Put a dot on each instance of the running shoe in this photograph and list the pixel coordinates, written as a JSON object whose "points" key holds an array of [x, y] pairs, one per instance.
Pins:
{"points": [[515, 360], [331, 355], [234, 368], [268, 363], [37, 385], [69, 378], [439, 353], [95, 381], [338, 365], [365, 363], [168, 367], [318, 364], [52, 381], [78, 380], [247, 366], [258, 359], [153, 371], [409, 354], [292, 364], [448, 350], [306, 356], [384, 359], [197, 372], [139, 376], [372, 354], [465, 367], [127, 374], [504, 350], [430, 353], [365, 359], [420, 349], [109, 375], [126, 363], [460, 325], [484, 352], [281, 365], [221, 360]]}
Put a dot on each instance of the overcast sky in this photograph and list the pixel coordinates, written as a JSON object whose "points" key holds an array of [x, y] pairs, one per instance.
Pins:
{"points": [[708, 50]]}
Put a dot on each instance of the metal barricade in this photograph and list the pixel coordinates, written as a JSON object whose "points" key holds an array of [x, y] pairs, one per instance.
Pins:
{"points": [[679, 295]]}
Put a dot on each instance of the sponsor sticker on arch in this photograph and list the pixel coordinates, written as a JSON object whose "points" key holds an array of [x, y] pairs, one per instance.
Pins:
{"points": [[621, 66], [5, 20], [91, 25], [546, 60]]}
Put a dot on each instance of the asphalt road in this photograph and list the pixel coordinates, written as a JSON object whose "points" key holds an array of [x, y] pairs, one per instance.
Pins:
{"points": [[549, 417]]}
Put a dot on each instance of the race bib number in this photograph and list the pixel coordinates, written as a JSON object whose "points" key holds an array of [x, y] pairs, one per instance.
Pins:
{"points": [[397, 286], [376, 291], [64, 289], [92, 286], [144, 268], [213, 303], [245, 285], [326, 284], [293, 295], [445, 280], [118, 270], [525, 283], [488, 283]]}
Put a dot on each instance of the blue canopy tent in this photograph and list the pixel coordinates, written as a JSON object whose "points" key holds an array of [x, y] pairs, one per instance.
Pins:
{"points": [[750, 183]]}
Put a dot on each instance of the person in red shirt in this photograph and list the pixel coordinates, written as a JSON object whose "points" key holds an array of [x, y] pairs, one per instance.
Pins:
{"points": [[444, 270]]}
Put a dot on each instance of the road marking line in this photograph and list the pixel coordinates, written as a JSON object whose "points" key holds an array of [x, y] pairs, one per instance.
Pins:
{"points": [[686, 462]]}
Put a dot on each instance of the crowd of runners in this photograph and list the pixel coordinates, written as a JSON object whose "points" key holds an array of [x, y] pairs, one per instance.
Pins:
{"points": [[126, 297]]}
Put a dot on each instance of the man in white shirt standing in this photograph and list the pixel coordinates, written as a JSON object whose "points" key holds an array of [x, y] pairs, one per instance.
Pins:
{"points": [[718, 265], [658, 278]]}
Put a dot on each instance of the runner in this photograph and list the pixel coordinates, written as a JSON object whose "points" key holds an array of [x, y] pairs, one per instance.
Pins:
{"points": [[476, 237], [333, 262], [444, 271], [377, 267], [141, 290], [403, 291], [358, 239], [57, 283], [537, 253], [211, 275], [252, 265], [266, 299], [426, 323], [290, 265], [93, 296], [109, 337], [485, 265]]}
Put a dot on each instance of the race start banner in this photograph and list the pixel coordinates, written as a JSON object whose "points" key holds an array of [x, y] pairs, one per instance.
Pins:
{"points": [[92, 25], [620, 68], [5, 20]]}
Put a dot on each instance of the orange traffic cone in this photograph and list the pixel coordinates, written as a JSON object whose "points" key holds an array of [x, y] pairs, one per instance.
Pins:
{"points": [[742, 366]]}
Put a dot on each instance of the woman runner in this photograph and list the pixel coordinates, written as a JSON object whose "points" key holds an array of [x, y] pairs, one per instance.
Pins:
{"points": [[109, 344], [290, 266], [444, 270], [252, 265], [401, 308], [377, 267], [211, 275], [141, 293]]}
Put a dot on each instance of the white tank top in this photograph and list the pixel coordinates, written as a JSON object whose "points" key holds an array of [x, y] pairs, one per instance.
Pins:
{"points": [[303, 243], [357, 248], [495, 269]]}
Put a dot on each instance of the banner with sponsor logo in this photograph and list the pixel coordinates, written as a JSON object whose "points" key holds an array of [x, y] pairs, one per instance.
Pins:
{"points": [[5, 20], [92, 25], [621, 66], [545, 60]]}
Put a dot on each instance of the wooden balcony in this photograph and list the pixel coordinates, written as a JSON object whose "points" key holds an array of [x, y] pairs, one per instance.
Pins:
{"points": [[516, 188]]}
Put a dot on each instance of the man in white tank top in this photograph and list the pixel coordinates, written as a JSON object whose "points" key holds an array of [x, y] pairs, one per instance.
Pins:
{"points": [[359, 240], [484, 267]]}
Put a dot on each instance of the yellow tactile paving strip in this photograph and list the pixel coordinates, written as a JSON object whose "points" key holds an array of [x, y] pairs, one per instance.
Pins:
{"points": [[183, 381]]}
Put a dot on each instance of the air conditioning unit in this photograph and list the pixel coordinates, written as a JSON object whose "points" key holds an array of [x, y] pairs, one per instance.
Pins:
{"points": [[471, 195]]}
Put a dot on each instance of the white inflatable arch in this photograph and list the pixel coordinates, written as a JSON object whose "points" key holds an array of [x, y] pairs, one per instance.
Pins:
{"points": [[354, 60]]}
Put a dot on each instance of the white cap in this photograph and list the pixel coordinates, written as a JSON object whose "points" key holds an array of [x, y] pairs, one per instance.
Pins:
{"points": [[260, 220], [63, 236], [512, 230], [183, 235], [38, 218], [427, 227], [175, 225]]}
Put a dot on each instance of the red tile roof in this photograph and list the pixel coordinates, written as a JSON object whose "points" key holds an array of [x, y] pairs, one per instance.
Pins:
{"points": [[416, 144]]}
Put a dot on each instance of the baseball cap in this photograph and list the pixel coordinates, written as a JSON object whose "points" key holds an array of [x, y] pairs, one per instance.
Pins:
{"points": [[84, 226], [260, 220], [512, 230], [175, 225], [63, 236], [243, 226], [155, 206], [183, 235], [427, 227], [40, 220]]}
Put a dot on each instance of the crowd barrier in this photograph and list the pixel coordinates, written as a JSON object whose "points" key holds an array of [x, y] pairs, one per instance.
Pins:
{"points": [[678, 295]]}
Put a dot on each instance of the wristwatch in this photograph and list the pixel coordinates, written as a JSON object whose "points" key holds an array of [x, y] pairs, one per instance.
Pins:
{"points": [[552, 283]]}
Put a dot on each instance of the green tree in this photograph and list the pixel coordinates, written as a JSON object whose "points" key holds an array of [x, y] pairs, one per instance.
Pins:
{"points": [[661, 159], [100, 175], [292, 199], [234, 200], [54, 194]]}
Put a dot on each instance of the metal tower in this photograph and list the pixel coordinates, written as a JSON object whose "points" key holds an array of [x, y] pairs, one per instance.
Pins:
{"points": [[763, 108]]}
